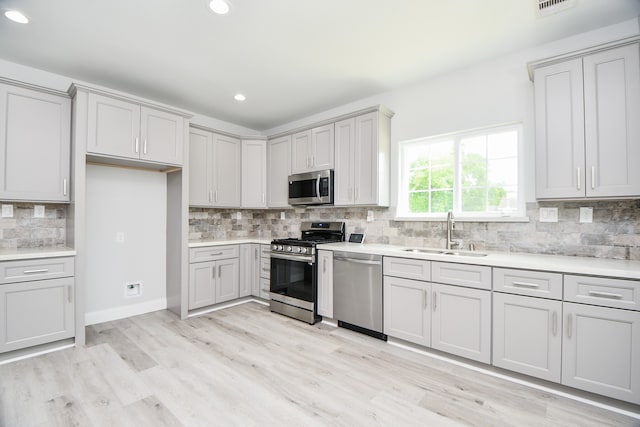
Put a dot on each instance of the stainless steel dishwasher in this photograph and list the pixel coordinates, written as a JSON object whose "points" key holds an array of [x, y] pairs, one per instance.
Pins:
{"points": [[357, 292]]}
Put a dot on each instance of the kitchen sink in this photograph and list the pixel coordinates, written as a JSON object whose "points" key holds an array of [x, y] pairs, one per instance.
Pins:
{"points": [[447, 252]]}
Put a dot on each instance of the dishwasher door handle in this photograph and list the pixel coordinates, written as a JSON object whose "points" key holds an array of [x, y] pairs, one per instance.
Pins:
{"points": [[358, 261]]}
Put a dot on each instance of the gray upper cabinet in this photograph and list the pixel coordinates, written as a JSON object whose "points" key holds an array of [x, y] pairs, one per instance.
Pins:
{"points": [[118, 128], [587, 129], [34, 145], [279, 169], [254, 174], [214, 169], [313, 149]]}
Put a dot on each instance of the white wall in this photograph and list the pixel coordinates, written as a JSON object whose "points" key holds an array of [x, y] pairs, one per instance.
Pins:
{"points": [[133, 202]]}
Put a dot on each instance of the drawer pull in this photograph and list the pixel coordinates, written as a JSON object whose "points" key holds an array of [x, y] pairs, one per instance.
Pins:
{"points": [[526, 285], [435, 300], [216, 254], [69, 294], [265, 269], [604, 295], [569, 325], [42, 270], [555, 323], [424, 297]]}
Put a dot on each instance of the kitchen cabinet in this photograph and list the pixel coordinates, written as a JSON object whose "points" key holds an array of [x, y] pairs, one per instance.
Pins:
{"points": [[128, 130], [214, 275], [586, 125], [249, 269], [313, 149], [279, 170], [37, 302], [214, 169], [461, 321], [254, 174], [35, 145], [527, 335], [362, 160], [325, 283], [601, 350], [265, 272], [407, 313]]}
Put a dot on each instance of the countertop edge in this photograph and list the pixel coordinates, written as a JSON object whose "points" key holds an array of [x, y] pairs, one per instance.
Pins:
{"points": [[206, 243], [22, 254]]}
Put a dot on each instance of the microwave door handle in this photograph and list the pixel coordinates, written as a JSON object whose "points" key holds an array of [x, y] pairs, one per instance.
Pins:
{"points": [[318, 189]]}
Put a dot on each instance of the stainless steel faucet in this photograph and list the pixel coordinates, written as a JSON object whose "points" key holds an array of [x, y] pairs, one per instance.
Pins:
{"points": [[451, 225]]}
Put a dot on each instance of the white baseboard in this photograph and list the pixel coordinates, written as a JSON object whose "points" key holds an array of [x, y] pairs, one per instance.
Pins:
{"points": [[124, 311]]}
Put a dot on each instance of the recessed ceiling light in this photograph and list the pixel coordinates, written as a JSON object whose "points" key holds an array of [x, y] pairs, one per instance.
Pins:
{"points": [[16, 16], [239, 97], [221, 7]]}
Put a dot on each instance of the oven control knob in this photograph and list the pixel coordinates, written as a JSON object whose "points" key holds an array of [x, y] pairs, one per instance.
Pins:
{"points": [[303, 250], [280, 247], [289, 249], [274, 247], [298, 249]]}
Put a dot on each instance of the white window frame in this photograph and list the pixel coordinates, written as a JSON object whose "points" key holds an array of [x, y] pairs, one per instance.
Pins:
{"points": [[402, 209]]}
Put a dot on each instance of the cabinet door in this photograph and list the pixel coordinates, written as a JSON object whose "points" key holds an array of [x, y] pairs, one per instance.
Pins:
{"points": [[301, 152], [33, 313], [228, 279], [34, 145], [461, 320], [279, 171], [612, 124], [345, 135], [325, 283], [527, 335], [560, 157], [161, 136], [113, 127], [601, 351], [226, 171], [322, 143], [254, 174], [249, 274], [406, 310], [366, 171], [200, 173], [202, 279], [264, 288]]}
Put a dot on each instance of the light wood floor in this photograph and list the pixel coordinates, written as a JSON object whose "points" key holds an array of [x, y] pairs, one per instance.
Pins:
{"points": [[245, 366]]}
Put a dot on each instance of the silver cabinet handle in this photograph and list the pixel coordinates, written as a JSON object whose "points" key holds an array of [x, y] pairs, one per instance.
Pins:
{"points": [[569, 325], [69, 294], [313, 161], [593, 177], [216, 254], [64, 187], [42, 270], [579, 178], [525, 285], [324, 265], [219, 271], [255, 253], [604, 295], [137, 144], [144, 147], [555, 323], [265, 269], [424, 299], [435, 300], [213, 272]]}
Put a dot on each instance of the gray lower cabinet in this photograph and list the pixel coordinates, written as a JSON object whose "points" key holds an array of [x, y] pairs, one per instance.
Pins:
{"points": [[215, 277], [36, 312], [35, 145], [264, 284], [407, 313], [249, 274]]}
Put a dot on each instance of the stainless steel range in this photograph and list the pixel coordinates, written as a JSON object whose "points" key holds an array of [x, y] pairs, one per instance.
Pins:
{"points": [[294, 273]]}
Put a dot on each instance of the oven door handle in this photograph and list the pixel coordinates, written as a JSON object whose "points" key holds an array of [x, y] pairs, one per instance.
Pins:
{"points": [[357, 261], [292, 257]]}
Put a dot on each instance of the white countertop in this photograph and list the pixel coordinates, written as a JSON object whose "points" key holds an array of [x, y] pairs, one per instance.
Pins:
{"points": [[555, 263], [204, 243], [34, 253]]}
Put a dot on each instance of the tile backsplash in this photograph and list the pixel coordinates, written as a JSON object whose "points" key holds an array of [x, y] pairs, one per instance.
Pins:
{"points": [[25, 231], [614, 232]]}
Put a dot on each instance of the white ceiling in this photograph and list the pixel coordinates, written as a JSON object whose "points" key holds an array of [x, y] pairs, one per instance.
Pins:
{"points": [[291, 58]]}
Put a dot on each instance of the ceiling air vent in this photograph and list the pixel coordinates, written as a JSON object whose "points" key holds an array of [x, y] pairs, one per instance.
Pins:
{"points": [[549, 7]]}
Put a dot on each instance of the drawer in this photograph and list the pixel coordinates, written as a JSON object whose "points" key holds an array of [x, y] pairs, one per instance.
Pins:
{"points": [[471, 276], [36, 269], [265, 268], [526, 282], [212, 253], [416, 269], [618, 293], [265, 251]]}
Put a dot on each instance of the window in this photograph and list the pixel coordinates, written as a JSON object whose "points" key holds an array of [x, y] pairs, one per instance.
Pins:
{"points": [[475, 174]]}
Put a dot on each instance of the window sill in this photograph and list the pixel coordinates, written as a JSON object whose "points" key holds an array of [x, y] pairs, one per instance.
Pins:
{"points": [[464, 219]]}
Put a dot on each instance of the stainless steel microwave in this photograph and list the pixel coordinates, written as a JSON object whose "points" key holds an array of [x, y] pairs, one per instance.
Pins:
{"points": [[312, 188]]}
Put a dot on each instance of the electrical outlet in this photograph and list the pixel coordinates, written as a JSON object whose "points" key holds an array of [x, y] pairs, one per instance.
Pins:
{"points": [[38, 211], [370, 216], [132, 289], [239, 215], [586, 215], [7, 211], [282, 216], [548, 214], [120, 237]]}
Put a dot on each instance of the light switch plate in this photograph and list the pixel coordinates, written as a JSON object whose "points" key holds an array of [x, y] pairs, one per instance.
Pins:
{"points": [[7, 211], [548, 214], [38, 211], [586, 215]]}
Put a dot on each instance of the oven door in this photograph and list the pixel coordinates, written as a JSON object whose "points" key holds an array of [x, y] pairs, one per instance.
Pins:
{"points": [[293, 280]]}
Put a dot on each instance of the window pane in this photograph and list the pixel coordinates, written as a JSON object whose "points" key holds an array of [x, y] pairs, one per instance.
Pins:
{"points": [[474, 200], [503, 172], [441, 201], [418, 202], [419, 179]]}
